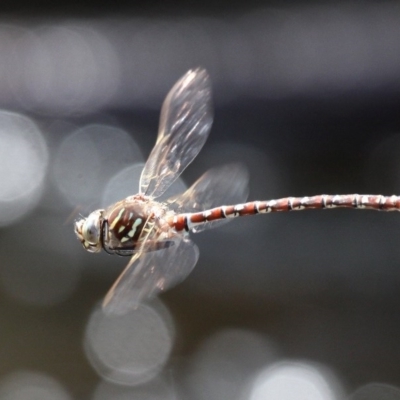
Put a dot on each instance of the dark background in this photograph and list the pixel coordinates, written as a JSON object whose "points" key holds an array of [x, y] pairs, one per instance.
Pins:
{"points": [[307, 96]]}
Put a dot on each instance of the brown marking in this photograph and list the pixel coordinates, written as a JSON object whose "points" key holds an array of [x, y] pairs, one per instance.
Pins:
{"points": [[279, 205], [248, 209], [178, 222], [295, 203], [390, 203]]}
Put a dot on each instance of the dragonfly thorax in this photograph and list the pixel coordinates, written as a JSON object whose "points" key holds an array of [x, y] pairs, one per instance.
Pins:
{"points": [[130, 222], [125, 224], [89, 231]]}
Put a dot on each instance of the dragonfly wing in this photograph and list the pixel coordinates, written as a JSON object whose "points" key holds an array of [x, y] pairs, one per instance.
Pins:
{"points": [[219, 186], [185, 122], [150, 273]]}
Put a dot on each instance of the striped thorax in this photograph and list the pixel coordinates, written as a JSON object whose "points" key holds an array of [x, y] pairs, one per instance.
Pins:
{"points": [[125, 226]]}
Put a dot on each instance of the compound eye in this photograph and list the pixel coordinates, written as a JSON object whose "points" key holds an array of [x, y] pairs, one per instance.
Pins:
{"points": [[91, 228]]}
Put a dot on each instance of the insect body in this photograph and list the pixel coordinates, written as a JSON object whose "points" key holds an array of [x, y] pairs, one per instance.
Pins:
{"points": [[155, 234], [131, 221]]}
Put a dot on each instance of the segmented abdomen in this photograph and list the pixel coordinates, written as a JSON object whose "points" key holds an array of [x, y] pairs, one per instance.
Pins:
{"points": [[374, 202]]}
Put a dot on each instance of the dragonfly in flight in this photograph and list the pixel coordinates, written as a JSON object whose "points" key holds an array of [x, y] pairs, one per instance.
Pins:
{"points": [[155, 234]]}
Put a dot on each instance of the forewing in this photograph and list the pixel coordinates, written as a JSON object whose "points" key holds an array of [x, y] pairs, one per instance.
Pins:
{"points": [[185, 122], [150, 273], [225, 185]]}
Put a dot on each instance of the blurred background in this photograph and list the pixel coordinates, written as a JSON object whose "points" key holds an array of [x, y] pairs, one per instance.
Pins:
{"points": [[281, 307]]}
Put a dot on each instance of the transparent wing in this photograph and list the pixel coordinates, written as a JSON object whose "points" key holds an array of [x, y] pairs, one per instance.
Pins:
{"points": [[185, 122], [150, 273], [219, 186]]}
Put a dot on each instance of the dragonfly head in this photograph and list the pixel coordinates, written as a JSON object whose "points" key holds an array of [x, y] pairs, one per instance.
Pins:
{"points": [[88, 231]]}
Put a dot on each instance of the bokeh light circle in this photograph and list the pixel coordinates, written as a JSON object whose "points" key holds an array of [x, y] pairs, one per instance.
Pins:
{"points": [[88, 158], [31, 385], [132, 348], [225, 362], [376, 391], [62, 69], [294, 381], [23, 164]]}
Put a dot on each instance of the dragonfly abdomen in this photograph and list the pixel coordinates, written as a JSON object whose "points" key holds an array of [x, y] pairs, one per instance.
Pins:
{"points": [[360, 201]]}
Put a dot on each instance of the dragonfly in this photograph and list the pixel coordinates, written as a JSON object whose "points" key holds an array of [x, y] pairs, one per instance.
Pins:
{"points": [[155, 233]]}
